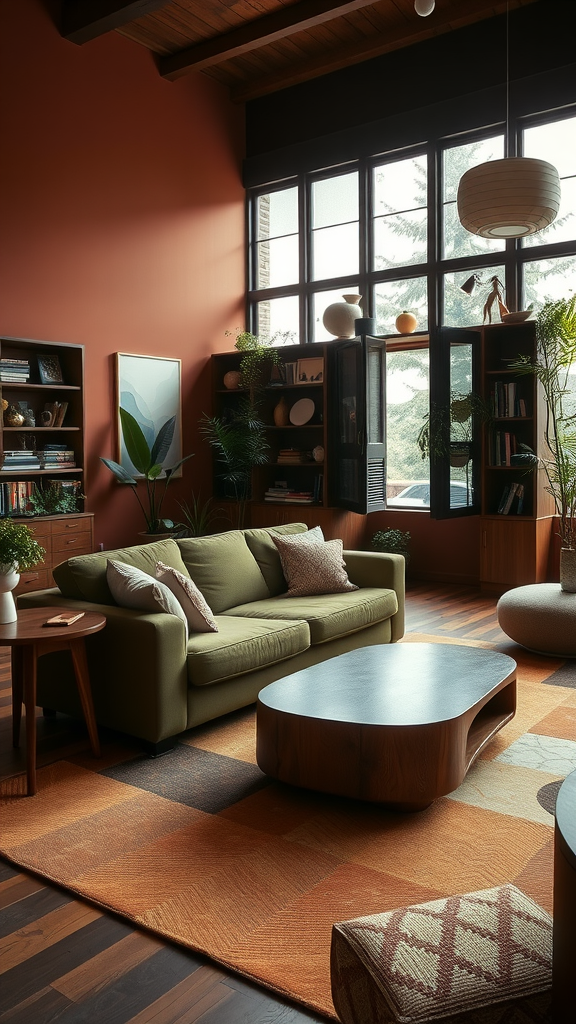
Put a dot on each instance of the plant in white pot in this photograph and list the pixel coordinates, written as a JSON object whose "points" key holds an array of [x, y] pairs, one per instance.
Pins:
{"points": [[18, 552], [553, 366]]}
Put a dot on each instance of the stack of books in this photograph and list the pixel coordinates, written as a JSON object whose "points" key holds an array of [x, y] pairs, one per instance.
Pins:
{"points": [[14, 371], [53, 456], [288, 495], [291, 455], [19, 459]]}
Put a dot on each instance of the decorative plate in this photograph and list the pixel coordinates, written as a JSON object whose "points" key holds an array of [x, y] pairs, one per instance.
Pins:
{"points": [[517, 318], [302, 411]]}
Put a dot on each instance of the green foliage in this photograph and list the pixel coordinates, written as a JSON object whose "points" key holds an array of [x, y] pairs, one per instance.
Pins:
{"points": [[440, 433], [392, 541], [147, 461], [198, 517], [239, 441], [258, 357], [18, 548], [555, 356], [53, 500]]}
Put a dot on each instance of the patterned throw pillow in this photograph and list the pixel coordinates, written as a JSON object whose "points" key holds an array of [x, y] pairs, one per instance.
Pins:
{"points": [[132, 588], [313, 566], [196, 608]]}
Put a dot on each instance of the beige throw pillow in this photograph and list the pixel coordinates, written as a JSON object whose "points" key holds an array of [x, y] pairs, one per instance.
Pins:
{"points": [[313, 567], [133, 588], [196, 608]]}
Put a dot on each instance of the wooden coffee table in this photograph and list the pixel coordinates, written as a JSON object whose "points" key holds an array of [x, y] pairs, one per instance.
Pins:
{"points": [[398, 724], [29, 640]]}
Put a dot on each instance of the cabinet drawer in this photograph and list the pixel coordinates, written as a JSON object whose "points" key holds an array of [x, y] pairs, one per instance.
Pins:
{"points": [[68, 545], [34, 579], [71, 524]]}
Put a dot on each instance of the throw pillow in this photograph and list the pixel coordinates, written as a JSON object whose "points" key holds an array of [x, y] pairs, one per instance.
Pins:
{"points": [[196, 608], [315, 567], [133, 588]]}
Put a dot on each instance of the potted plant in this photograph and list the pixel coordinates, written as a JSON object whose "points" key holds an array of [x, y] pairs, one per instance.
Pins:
{"points": [[18, 552], [54, 499], [464, 408], [395, 541], [555, 357], [149, 462]]}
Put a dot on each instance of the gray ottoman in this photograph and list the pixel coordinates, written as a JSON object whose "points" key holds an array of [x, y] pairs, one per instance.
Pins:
{"points": [[541, 617]]}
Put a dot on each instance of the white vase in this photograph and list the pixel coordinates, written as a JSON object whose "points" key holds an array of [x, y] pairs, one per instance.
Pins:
{"points": [[8, 580], [339, 317], [568, 570]]}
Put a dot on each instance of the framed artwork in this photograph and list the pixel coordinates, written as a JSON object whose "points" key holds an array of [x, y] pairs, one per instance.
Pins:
{"points": [[310, 371], [149, 387], [49, 369]]}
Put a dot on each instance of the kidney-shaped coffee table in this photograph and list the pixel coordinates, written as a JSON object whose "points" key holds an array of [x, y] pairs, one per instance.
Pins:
{"points": [[398, 724]]}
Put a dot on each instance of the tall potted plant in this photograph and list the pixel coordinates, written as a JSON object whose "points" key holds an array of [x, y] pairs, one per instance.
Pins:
{"points": [[149, 462], [18, 552], [555, 357]]}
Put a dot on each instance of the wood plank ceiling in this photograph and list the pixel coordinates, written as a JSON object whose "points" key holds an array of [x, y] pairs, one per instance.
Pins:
{"points": [[255, 47]]}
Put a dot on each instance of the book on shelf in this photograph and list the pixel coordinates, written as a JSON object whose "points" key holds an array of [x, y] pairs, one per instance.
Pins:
{"points": [[53, 414], [15, 497], [512, 492]]}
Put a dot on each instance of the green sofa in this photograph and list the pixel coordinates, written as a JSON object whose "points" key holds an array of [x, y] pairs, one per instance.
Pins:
{"points": [[149, 683]]}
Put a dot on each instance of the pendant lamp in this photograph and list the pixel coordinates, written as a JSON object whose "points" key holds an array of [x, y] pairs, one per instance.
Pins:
{"points": [[508, 198]]}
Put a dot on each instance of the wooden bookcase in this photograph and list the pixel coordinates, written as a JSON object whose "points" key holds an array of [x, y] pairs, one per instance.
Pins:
{"points": [[60, 535], [515, 544]]}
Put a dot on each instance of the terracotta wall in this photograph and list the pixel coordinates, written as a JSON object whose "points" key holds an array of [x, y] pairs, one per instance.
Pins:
{"points": [[121, 223]]}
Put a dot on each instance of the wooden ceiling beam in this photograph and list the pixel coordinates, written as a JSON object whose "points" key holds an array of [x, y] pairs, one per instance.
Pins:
{"points": [[369, 47], [82, 20], [282, 23]]}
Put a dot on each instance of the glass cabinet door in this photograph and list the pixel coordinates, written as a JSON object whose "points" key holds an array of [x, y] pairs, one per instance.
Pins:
{"points": [[455, 424], [357, 468]]}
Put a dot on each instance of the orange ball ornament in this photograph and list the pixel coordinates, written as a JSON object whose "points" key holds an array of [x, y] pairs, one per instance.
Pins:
{"points": [[406, 322]]}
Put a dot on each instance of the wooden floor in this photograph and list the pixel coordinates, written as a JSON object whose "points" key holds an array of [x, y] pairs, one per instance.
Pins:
{"points": [[65, 962]]}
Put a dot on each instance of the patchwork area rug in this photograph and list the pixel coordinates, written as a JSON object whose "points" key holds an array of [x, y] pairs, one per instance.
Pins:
{"points": [[203, 849]]}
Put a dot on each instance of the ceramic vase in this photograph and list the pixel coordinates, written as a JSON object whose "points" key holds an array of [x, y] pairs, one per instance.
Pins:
{"points": [[8, 580], [282, 413], [568, 570], [232, 379], [339, 317]]}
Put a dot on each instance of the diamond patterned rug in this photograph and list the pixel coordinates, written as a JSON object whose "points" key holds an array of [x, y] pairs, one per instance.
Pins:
{"points": [[203, 849]]}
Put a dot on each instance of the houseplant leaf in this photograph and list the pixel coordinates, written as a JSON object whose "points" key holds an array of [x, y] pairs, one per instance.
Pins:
{"points": [[120, 473], [136, 444], [162, 441]]}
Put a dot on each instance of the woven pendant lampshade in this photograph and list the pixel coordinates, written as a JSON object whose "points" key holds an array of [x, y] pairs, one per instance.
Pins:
{"points": [[508, 198]]}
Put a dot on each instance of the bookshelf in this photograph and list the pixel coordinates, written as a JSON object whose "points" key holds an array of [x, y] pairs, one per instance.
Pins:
{"points": [[517, 511], [42, 444]]}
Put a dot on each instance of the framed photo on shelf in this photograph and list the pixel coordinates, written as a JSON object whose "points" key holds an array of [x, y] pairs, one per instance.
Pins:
{"points": [[49, 369], [149, 387], [310, 371]]}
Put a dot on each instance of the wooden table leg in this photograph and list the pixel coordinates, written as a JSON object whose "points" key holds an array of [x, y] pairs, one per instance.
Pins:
{"points": [[79, 660], [29, 674], [17, 694]]}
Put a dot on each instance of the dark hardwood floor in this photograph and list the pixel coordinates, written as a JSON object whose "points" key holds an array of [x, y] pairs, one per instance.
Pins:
{"points": [[63, 961]]}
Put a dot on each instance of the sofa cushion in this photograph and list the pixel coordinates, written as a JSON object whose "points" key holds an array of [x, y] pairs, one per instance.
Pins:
{"points": [[224, 569], [312, 567], [84, 576], [328, 615], [266, 553], [132, 588], [197, 611], [243, 645]]}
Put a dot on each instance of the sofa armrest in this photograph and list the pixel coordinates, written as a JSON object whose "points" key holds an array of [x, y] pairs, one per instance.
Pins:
{"points": [[137, 666], [377, 569]]}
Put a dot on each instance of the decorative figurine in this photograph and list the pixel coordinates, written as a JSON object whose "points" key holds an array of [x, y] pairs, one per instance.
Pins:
{"points": [[496, 295]]}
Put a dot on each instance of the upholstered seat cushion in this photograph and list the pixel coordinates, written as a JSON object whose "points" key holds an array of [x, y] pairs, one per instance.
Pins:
{"points": [[443, 960], [224, 569], [541, 617], [242, 645], [328, 615]]}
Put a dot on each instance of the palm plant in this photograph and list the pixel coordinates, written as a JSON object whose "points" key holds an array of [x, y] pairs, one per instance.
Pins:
{"points": [[149, 462], [555, 358], [239, 441]]}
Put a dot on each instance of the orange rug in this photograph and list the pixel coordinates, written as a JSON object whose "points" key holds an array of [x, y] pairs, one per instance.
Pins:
{"points": [[201, 848]]}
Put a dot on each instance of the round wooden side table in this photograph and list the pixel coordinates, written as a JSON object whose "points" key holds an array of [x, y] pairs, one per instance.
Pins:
{"points": [[29, 639]]}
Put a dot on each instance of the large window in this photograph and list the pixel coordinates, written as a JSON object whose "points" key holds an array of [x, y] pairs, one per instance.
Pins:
{"points": [[387, 227]]}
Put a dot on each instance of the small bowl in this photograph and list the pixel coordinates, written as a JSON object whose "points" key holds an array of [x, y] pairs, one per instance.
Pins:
{"points": [[517, 318]]}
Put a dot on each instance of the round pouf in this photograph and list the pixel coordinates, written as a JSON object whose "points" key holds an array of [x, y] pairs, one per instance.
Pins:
{"points": [[541, 617]]}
